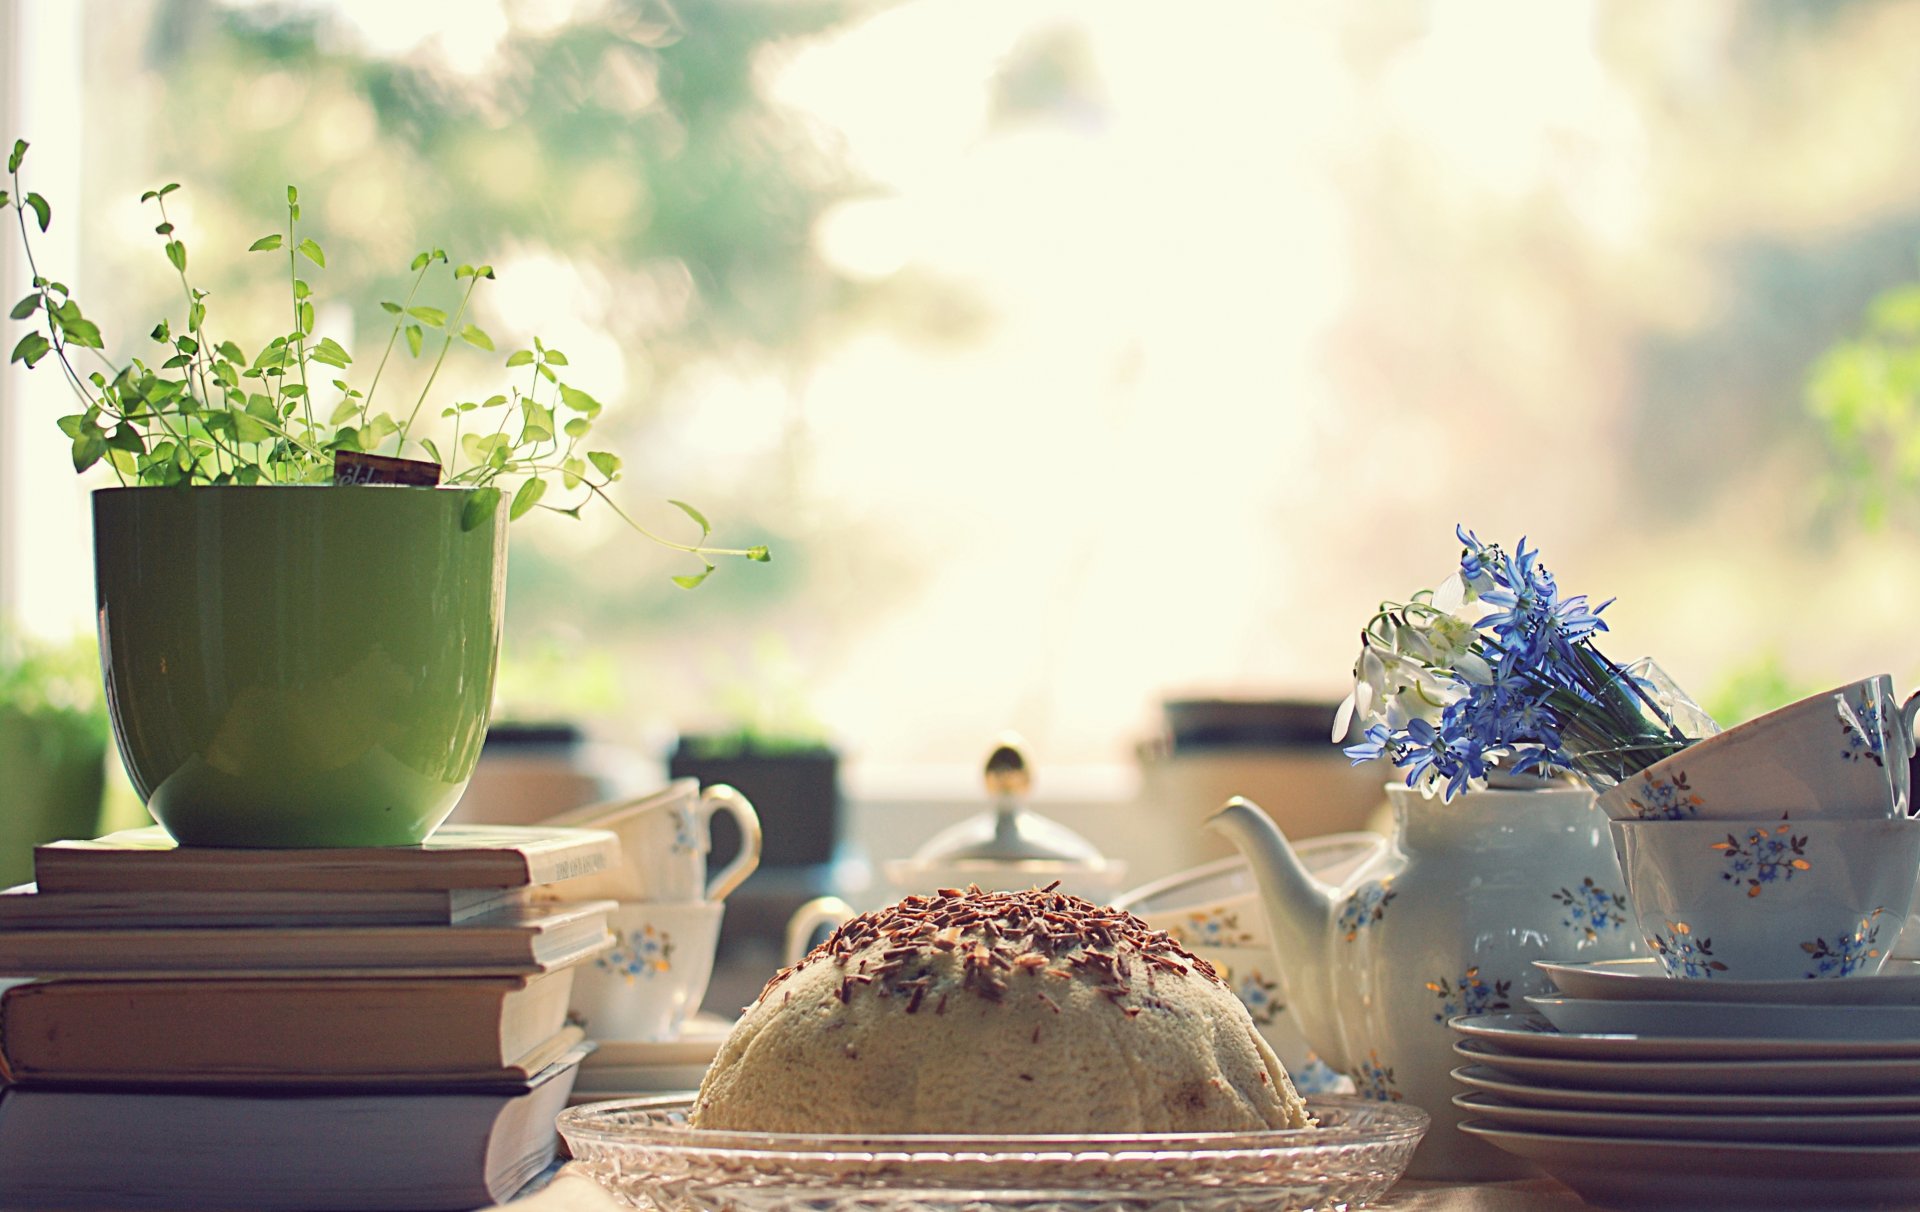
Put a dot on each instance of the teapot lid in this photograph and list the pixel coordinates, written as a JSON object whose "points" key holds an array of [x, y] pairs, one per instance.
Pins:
{"points": [[1009, 841]]}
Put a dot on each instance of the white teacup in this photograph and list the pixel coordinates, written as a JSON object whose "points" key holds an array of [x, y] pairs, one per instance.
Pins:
{"points": [[655, 975], [1770, 899], [664, 840], [1840, 753]]}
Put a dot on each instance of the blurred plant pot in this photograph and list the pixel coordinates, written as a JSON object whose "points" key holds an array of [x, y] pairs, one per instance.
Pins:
{"points": [[55, 765], [298, 665], [531, 771], [795, 789]]}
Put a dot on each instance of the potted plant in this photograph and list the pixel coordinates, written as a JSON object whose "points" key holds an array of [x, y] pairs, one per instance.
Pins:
{"points": [[299, 585], [53, 746]]}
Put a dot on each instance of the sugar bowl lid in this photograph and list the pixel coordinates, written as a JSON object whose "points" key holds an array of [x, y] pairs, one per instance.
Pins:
{"points": [[1008, 846]]}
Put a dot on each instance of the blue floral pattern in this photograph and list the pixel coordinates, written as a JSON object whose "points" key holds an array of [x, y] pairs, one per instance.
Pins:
{"points": [[1475, 994], [1668, 798], [1847, 953], [1374, 1080], [646, 954], [1366, 906], [1769, 855], [1681, 954], [1591, 909], [1862, 727], [1261, 997], [1318, 1077], [1213, 928]]}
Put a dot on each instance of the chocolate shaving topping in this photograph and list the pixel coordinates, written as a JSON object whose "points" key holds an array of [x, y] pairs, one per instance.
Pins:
{"points": [[993, 938]]}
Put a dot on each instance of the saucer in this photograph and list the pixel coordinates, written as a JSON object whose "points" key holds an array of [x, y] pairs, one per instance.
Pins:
{"points": [[1896, 984], [1532, 1035], [1682, 1101], [620, 1068], [1729, 1020], [1896, 1129], [1817, 1077]]}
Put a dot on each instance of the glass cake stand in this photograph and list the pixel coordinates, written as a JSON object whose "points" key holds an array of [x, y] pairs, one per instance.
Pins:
{"points": [[644, 1151]]}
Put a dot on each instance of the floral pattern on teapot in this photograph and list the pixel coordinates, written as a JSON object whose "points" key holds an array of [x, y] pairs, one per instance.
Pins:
{"points": [[1261, 997], [1848, 951], [1767, 856], [1366, 906], [1374, 1079], [1475, 994], [1591, 910]]}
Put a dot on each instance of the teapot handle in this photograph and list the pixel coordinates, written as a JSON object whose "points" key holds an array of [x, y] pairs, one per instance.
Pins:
{"points": [[818, 912]]}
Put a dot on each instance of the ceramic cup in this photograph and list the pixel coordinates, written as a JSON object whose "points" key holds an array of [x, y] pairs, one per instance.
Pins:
{"points": [[1770, 899], [1214, 911], [664, 839], [1840, 753], [655, 974]]}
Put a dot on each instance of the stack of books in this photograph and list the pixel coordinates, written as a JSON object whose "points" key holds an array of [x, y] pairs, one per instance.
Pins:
{"points": [[279, 1029]]}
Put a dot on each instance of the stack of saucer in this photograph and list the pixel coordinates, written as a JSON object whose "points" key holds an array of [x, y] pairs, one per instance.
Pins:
{"points": [[1639, 1090]]}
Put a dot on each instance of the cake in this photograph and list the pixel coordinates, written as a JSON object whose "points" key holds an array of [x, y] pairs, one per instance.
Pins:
{"points": [[997, 1012]]}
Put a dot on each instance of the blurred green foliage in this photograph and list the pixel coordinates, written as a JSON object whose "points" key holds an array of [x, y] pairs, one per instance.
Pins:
{"points": [[53, 741], [1865, 390]]}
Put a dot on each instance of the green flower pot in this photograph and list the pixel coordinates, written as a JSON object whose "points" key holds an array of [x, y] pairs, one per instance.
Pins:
{"points": [[298, 666]]}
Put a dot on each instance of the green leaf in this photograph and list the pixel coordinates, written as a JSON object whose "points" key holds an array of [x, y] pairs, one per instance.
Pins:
{"points": [[293, 195], [608, 464], [537, 425], [168, 188], [82, 333], [31, 349], [759, 555], [329, 353], [556, 358], [571, 471], [520, 357], [433, 450], [177, 253], [42, 212], [88, 449], [294, 391], [414, 338], [163, 229], [19, 154], [420, 262], [265, 243], [248, 428], [579, 400], [311, 252], [301, 290], [25, 307], [305, 310], [73, 426], [695, 514], [693, 582], [378, 429], [577, 427], [493, 401], [231, 353], [472, 335], [126, 437], [525, 499], [431, 316], [126, 463], [390, 307], [481, 506], [344, 411]]}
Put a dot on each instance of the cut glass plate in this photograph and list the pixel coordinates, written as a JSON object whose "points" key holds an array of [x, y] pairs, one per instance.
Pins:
{"points": [[644, 1152]]}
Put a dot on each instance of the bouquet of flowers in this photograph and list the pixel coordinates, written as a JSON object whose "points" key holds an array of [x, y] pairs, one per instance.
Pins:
{"points": [[1496, 672]]}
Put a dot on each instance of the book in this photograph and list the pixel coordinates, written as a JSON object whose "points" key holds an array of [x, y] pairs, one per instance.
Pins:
{"points": [[25, 907], [164, 1149], [456, 856], [462, 1029], [531, 938]]}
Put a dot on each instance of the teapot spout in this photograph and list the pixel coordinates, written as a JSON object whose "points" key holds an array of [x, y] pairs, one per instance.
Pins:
{"points": [[1299, 912]]}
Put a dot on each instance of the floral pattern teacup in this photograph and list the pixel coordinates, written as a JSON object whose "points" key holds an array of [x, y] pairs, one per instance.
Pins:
{"points": [[1770, 899], [1840, 753], [654, 975]]}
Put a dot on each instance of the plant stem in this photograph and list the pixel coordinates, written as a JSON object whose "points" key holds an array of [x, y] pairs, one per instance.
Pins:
{"points": [[445, 345]]}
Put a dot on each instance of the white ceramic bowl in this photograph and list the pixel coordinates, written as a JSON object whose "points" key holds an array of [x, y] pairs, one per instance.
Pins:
{"points": [[1840, 753], [1770, 899], [654, 976]]}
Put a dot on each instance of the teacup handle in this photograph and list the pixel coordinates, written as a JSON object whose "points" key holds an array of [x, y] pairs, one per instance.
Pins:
{"points": [[1908, 711], [722, 798], [818, 912]]}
